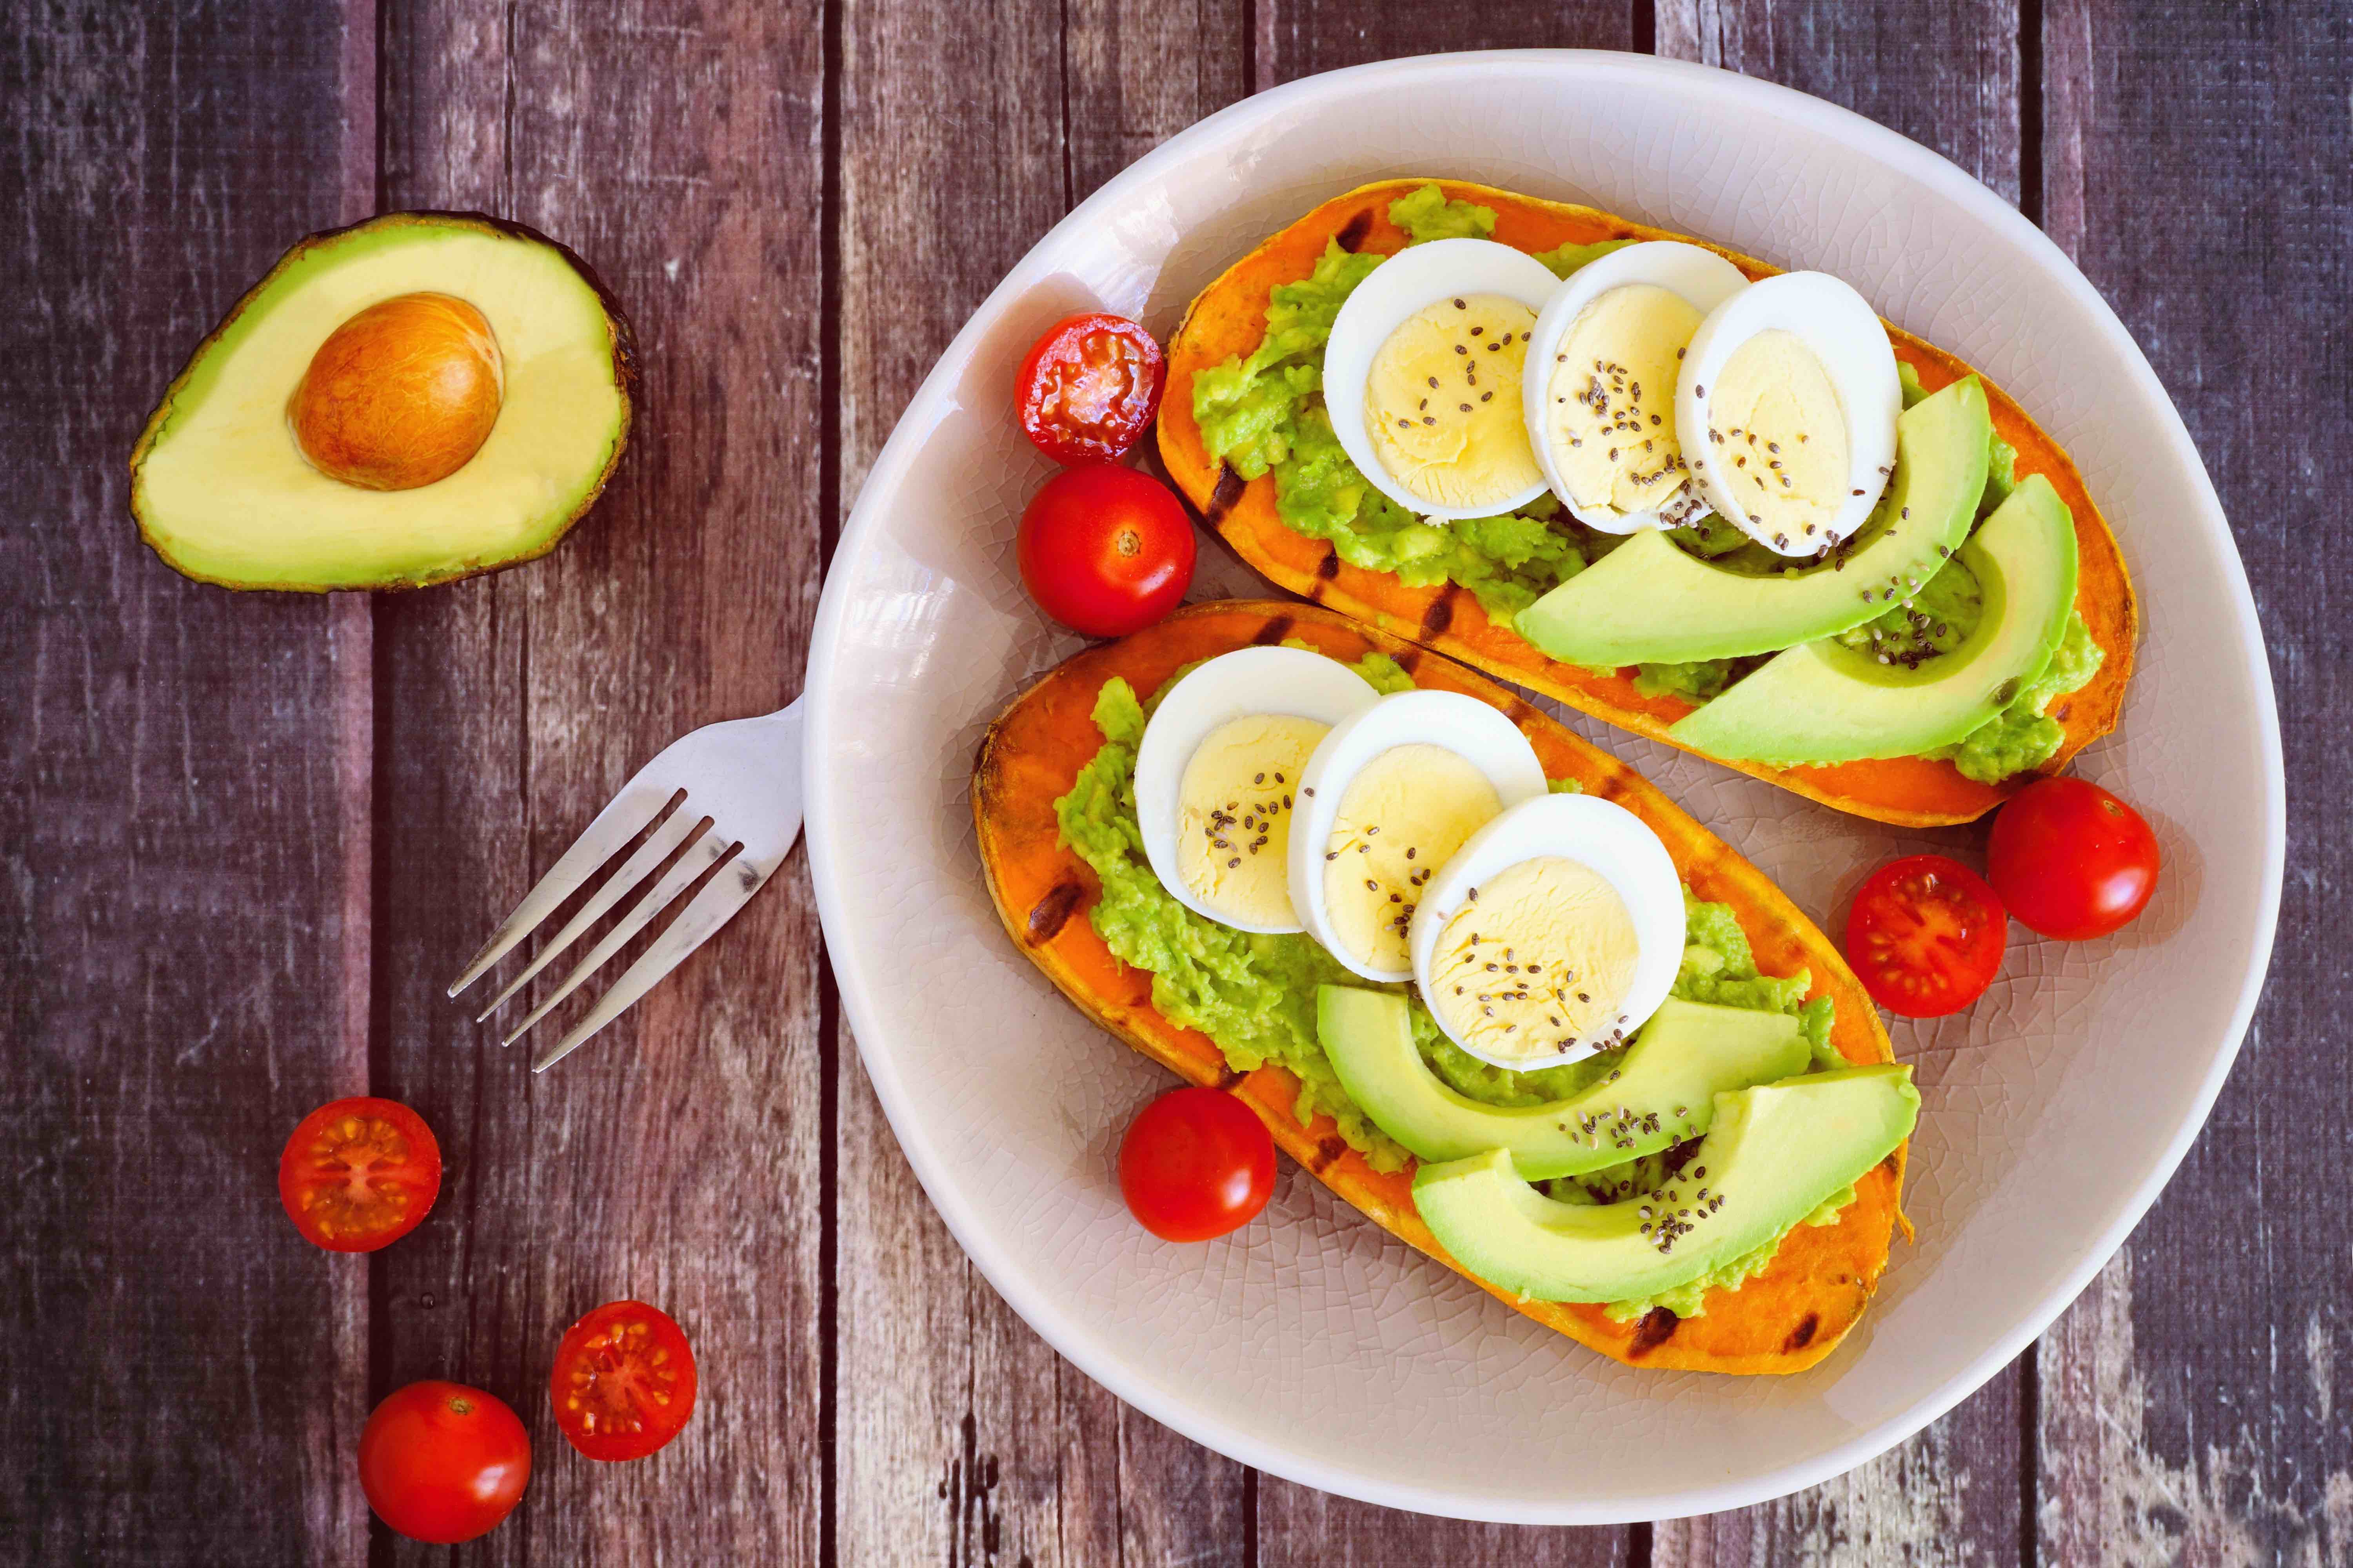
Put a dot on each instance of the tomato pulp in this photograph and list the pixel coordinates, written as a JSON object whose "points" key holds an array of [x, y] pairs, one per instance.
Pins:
{"points": [[1089, 388], [1105, 551], [624, 1381], [359, 1173], [442, 1462], [1197, 1163], [2072, 861], [1925, 936]]}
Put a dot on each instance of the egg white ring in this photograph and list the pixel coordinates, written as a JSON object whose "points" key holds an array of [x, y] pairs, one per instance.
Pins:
{"points": [[1841, 329], [1389, 295], [1597, 833], [1703, 278], [1478, 733], [1231, 686]]}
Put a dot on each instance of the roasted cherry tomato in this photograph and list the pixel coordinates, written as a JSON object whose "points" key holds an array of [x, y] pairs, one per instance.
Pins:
{"points": [[1106, 551], [624, 1381], [1197, 1163], [1925, 936], [359, 1174], [2072, 861], [1090, 387], [442, 1462]]}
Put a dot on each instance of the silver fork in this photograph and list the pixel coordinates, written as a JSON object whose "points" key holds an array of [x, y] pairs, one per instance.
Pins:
{"points": [[742, 808]]}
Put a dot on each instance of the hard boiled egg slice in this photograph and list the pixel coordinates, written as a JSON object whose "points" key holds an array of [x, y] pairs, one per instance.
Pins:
{"points": [[1600, 387], [1217, 772], [1422, 376], [1787, 406], [1390, 796], [1554, 934]]}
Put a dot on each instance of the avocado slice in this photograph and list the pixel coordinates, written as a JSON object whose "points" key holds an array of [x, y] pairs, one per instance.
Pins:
{"points": [[1827, 703], [1647, 602], [1775, 1154], [1662, 1092], [222, 487]]}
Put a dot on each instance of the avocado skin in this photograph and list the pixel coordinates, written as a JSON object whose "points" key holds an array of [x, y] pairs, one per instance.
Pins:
{"points": [[624, 344]]}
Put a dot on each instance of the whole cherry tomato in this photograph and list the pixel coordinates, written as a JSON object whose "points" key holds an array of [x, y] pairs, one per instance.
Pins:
{"points": [[359, 1173], [442, 1462], [1105, 551], [1197, 1163], [2072, 861], [1089, 388], [624, 1381], [1925, 936]]}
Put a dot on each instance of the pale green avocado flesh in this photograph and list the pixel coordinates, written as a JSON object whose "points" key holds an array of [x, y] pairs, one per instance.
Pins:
{"points": [[1775, 1154], [222, 491], [1829, 702], [1662, 1092], [1650, 602]]}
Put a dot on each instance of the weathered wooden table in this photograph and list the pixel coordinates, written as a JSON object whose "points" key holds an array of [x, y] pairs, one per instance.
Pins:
{"points": [[246, 837]]}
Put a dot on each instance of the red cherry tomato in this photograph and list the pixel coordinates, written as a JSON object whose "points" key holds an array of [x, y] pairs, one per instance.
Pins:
{"points": [[624, 1381], [2072, 861], [442, 1462], [1925, 936], [1197, 1163], [359, 1174], [1090, 388], [1105, 551]]}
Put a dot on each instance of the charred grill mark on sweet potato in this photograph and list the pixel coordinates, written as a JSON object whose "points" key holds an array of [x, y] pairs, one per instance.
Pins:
{"points": [[1657, 1327], [1440, 614], [1802, 1335], [1228, 1078], [1276, 628], [1048, 915], [1329, 567], [1410, 661], [1352, 233], [1228, 490], [1326, 1152]]}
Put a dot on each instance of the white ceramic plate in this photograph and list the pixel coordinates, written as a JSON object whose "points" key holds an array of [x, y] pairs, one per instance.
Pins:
{"points": [[1309, 1344]]}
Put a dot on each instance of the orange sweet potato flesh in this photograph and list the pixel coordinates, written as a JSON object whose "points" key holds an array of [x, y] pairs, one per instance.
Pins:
{"points": [[1229, 318], [1782, 1319]]}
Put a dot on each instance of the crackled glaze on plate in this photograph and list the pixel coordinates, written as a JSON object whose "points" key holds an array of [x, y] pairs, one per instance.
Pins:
{"points": [[1309, 1344]]}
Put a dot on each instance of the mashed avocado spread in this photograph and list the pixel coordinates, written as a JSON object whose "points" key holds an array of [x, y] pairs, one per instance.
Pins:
{"points": [[1254, 995], [1265, 414]]}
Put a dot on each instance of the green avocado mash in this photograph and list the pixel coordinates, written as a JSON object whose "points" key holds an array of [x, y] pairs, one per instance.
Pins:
{"points": [[1265, 414], [1255, 995]]}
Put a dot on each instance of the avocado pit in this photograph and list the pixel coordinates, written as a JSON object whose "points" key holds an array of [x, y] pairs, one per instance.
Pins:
{"points": [[400, 395]]}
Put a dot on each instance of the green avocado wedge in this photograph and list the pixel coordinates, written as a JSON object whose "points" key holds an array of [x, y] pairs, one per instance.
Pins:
{"points": [[1647, 602], [1775, 1154], [1663, 1092], [1828, 702]]}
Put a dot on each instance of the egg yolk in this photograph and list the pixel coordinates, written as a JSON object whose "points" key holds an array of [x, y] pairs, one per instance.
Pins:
{"points": [[1233, 816], [1401, 818], [1536, 964], [1778, 435], [1611, 423], [1442, 401]]}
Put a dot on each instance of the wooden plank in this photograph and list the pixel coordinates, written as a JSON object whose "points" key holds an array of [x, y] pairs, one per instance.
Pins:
{"points": [[2198, 163], [1301, 1528], [961, 1436], [676, 1158], [183, 932], [1302, 38], [1947, 77]]}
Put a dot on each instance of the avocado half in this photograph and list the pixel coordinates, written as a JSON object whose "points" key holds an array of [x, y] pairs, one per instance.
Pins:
{"points": [[222, 491]]}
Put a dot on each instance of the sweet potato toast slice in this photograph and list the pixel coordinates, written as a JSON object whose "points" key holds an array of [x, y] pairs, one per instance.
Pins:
{"points": [[1229, 318], [1782, 1319]]}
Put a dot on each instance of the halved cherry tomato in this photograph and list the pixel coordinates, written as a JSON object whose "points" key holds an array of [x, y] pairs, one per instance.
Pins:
{"points": [[1090, 387], [359, 1173], [624, 1381], [2072, 861], [1105, 551], [1197, 1163], [442, 1462], [1925, 936]]}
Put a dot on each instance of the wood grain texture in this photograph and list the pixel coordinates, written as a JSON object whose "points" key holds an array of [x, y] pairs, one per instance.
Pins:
{"points": [[1948, 76], [2198, 167], [175, 836], [960, 1435], [1300, 37], [676, 1158]]}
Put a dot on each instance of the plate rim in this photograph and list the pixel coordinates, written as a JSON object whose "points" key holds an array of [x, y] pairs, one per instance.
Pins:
{"points": [[1039, 1309]]}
